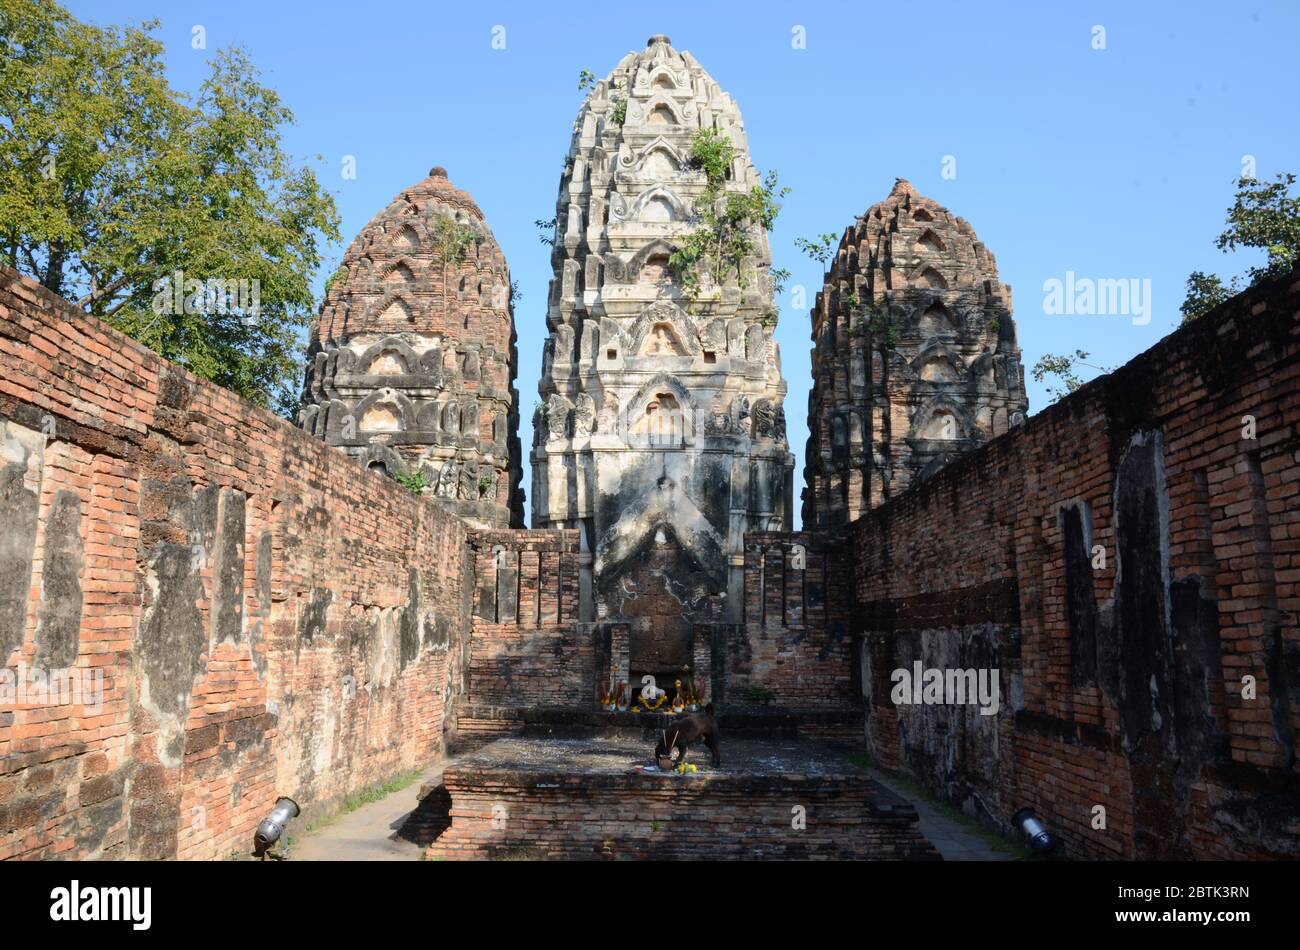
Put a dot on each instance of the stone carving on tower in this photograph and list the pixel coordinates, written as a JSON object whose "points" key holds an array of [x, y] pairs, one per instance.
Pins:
{"points": [[914, 361], [660, 432], [412, 359]]}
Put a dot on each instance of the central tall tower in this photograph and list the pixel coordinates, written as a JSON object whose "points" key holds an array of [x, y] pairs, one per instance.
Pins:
{"points": [[660, 432]]}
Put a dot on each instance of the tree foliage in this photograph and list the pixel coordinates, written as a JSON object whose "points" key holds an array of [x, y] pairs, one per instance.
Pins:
{"points": [[133, 200], [821, 248], [1063, 370], [1264, 216]]}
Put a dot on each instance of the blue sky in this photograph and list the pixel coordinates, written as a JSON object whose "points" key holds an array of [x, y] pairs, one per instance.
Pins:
{"points": [[1110, 163]]}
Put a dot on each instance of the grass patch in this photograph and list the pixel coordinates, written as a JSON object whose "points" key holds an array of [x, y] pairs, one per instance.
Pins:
{"points": [[366, 796], [908, 786], [861, 759]]}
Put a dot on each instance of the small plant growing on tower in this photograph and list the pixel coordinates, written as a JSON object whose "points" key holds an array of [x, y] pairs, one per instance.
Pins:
{"points": [[881, 326], [484, 485], [712, 153], [334, 278], [780, 277], [725, 221], [414, 482], [586, 79], [452, 240], [618, 114]]}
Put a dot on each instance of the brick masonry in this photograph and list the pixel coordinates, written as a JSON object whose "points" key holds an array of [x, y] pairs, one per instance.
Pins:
{"points": [[915, 357], [412, 360], [254, 614], [796, 647], [246, 612], [585, 800], [1124, 561]]}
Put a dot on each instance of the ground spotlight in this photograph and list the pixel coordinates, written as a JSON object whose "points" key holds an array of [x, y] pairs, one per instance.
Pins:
{"points": [[272, 826], [1039, 839]]}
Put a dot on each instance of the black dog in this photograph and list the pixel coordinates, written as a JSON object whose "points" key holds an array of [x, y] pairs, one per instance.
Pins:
{"points": [[688, 729]]}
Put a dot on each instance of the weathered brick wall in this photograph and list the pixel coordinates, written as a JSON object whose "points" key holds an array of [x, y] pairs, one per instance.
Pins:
{"points": [[577, 800], [1123, 561], [527, 649], [265, 617], [796, 646]]}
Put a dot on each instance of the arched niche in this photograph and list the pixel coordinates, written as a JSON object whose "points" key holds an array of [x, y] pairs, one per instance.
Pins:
{"points": [[382, 417], [661, 114], [385, 410], [662, 340], [940, 420], [942, 425], [938, 369], [659, 204], [655, 271], [658, 210], [930, 279], [407, 238], [660, 163], [685, 331], [929, 242], [388, 362], [391, 356], [662, 414], [663, 79], [399, 274], [935, 320]]}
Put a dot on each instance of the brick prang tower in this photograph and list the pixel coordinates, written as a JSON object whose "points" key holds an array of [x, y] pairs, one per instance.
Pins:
{"points": [[915, 357], [413, 360]]}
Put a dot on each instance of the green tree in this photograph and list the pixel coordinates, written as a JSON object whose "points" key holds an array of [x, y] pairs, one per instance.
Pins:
{"points": [[147, 207], [1264, 215], [821, 248], [725, 222], [1062, 369]]}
